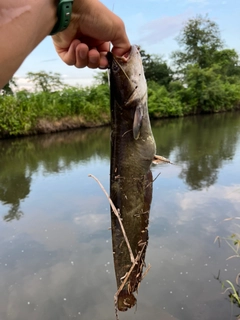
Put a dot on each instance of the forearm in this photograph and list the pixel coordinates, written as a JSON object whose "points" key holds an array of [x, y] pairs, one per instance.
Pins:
{"points": [[23, 25]]}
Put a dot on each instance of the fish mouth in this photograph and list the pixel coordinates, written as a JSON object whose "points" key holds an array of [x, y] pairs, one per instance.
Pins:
{"points": [[117, 64], [124, 58]]}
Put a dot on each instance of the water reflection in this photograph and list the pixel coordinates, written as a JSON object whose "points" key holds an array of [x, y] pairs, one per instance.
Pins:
{"points": [[56, 262], [21, 158], [200, 144], [13, 189]]}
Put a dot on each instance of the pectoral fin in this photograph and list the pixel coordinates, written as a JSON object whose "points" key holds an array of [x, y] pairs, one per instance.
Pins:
{"points": [[137, 122], [159, 159]]}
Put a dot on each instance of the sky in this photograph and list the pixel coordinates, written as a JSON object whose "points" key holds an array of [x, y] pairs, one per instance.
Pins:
{"points": [[152, 24]]}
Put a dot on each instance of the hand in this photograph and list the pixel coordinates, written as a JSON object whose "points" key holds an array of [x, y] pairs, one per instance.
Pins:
{"points": [[87, 39]]}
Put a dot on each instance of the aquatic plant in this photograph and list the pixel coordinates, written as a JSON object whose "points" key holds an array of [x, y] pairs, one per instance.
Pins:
{"points": [[234, 243]]}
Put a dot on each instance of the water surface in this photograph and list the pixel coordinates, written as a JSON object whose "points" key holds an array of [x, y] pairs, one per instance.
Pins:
{"points": [[55, 243]]}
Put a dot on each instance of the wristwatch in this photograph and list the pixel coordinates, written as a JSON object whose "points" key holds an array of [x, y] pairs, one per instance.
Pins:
{"points": [[64, 11]]}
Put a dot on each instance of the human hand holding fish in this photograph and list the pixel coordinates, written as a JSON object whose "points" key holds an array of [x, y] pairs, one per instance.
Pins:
{"points": [[87, 39], [84, 42]]}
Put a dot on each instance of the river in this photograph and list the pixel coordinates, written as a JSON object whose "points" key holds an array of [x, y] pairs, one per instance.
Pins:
{"points": [[55, 243]]}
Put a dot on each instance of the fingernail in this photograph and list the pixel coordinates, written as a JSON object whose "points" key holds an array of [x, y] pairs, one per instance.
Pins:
{"points": [[83, 54], [93, 59]]}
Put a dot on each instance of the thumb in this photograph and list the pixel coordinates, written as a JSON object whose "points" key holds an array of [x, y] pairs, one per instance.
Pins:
{"points": [[121, 51]]}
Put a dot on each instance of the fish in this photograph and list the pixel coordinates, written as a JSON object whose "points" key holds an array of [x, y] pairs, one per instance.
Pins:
{"points": [[132, 151], [131, 134]]}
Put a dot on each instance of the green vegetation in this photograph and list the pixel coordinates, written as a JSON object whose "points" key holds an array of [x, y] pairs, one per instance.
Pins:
{"points": [[21, 113], [234, 243], [204, 78]]}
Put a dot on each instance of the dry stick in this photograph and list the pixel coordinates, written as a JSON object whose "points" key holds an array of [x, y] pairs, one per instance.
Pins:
{"points": [[156, 177], [153, 180], [146, 271], [115, 211]]}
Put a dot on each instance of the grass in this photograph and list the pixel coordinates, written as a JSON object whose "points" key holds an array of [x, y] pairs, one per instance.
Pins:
{"points": [[234, 243]]}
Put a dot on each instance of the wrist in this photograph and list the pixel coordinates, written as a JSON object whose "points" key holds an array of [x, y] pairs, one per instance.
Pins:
{"points": [[64, 11]]}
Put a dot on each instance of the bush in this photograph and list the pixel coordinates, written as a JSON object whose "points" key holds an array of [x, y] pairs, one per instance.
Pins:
{"points": [[161, 104], [20, 113]]}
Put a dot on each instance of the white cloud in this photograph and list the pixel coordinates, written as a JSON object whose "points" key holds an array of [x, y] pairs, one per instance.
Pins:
{"points": [[163, 28], [194, 202], [210, 207], [193, 199], [93, 222], [23, 83]]}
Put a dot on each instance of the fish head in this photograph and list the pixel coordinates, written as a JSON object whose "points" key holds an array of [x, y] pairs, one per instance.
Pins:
{"points": [[127, 78]]}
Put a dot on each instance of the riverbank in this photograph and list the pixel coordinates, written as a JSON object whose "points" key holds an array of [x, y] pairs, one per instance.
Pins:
{"points": [[29, 113], [67, 123], [46, 126]]}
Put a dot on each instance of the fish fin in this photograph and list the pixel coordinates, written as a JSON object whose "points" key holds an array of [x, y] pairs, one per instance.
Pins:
{"points": [[159, 159], [137, 122]]}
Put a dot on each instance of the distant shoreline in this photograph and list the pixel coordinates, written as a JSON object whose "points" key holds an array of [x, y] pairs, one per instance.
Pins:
{"points": [[44, 126]]}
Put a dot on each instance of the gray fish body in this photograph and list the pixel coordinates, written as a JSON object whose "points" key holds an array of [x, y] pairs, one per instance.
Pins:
{"points": [[131, 129], [132, 152]]}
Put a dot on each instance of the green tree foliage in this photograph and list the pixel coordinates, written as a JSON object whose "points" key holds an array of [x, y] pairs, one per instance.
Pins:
{"points": [[156, 69], [45, 82], [210, 75], [8, 88], [206, 92], [228, 63], [199, 40], [161, 104], [101, 77]]}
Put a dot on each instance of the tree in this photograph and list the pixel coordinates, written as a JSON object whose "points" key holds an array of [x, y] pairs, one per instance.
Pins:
{"points": [[199, 40], [46, 82], [101, 77], [156, 69], [228, 62], [7, 89]]}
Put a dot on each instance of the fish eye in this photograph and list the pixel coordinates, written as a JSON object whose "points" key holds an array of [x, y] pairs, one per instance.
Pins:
{"points": [[115, 67]]}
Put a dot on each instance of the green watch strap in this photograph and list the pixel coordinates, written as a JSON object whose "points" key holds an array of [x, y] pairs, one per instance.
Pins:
{"points": [[64, 11]]}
